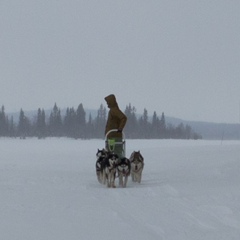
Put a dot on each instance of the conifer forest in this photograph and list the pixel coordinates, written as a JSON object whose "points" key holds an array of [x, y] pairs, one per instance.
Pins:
{"points": [[72, 123]]}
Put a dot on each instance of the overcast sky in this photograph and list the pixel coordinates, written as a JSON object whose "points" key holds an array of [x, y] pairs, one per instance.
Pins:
{"points": [[180, 57]]}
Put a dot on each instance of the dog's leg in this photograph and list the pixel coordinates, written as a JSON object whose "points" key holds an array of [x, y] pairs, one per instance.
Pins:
{"points": [[120, 179], [98, 176], [139, 177], [108, 179], [125, 181], [101, 176], [132, 175], [104, 177], [113, 175], [111, 180]]}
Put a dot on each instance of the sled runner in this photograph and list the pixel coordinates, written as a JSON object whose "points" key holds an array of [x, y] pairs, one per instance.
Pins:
{"points": [[116, 145]]}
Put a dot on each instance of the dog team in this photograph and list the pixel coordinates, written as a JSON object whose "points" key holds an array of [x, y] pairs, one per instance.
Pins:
{"points": [[111, 161], [109, 166]]}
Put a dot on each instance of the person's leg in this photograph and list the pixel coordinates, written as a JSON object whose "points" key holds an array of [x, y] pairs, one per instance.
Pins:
{"points": [[115, 145]]}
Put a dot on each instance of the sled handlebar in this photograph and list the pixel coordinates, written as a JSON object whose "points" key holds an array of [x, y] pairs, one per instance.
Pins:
{"points": [[114, 130]]}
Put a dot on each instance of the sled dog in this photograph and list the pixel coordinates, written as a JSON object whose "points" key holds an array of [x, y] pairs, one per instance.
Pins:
{"points": [[137, 164], [101, 155], [109, 169], [123, 169]]}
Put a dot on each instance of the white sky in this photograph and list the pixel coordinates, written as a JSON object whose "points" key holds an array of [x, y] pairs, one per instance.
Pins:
{"points": [[178, 57]]}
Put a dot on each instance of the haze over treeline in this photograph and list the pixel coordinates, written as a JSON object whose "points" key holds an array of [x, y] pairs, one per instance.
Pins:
{"points": [[73, 123]]}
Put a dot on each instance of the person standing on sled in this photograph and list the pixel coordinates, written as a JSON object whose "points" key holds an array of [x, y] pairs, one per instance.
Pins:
{"points": [[116, 120]]}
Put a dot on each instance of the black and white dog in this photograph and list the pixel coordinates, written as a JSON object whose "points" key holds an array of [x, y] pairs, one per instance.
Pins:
{"points": [[109, 169], [101, 155], [137, 164], [123, 169]]}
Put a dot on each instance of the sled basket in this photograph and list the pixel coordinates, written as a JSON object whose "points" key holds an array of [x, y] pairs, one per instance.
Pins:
{"points": [[111, 144]]}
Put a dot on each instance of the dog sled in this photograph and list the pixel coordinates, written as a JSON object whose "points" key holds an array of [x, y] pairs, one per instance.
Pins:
{"points": [[116, 145], [112, 162]]}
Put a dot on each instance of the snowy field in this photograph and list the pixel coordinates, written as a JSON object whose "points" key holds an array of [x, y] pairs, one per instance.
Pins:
{"points": [[49, 191]]}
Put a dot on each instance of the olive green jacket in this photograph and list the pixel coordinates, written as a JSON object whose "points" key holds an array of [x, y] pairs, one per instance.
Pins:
{"points": [[116, 118]]}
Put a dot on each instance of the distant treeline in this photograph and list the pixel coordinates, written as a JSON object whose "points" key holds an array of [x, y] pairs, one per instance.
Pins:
{"points": [[74, 124]]}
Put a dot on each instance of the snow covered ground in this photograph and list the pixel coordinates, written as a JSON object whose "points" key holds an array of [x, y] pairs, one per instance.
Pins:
{"points": [[189, 191]]}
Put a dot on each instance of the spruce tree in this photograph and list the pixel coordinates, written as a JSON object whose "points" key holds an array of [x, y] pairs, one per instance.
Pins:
{"points": [[41, 124], [131, 128], [12, 128], [3, 123], [69, 123], [155, 126], [90, 127], [144, 125], [23, 125], [100, 122], [162, 126], [55, 122], [81, 122]]}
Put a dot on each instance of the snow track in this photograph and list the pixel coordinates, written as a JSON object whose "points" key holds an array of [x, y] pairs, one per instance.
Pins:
{"points": [[49, 191]]}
